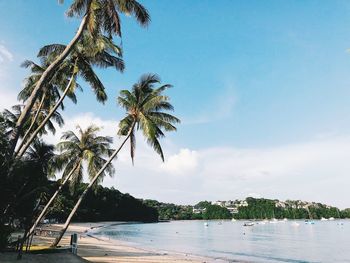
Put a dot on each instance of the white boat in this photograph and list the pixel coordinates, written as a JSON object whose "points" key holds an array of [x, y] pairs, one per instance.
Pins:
{"points": [[309, 222], [324, 219], [248, 224], [206, 224], [331, 218], [233, 220], [285, 219]]}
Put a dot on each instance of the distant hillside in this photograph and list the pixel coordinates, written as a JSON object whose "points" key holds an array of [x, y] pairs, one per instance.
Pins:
{"points": [[108, 204], [249, 208]]}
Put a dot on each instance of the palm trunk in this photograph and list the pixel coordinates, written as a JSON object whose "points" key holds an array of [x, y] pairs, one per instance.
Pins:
{"points": [[24, 146], [45, 77], [43, 212], [33, 121], [74, 210]]}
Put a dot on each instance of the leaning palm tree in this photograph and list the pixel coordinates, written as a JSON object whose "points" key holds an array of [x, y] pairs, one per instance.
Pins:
{"points": [[98, 16], [75, 150], [103, 53], [41, 157], [144, 106], [49, 95]]}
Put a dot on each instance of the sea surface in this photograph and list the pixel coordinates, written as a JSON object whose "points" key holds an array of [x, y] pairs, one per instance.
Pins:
{"points": [[282, 241]]}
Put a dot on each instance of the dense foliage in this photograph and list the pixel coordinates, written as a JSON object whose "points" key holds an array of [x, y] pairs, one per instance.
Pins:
{"points": [[266, 208], [103, 204], [170, 211], [185, 212], [260, 208]]}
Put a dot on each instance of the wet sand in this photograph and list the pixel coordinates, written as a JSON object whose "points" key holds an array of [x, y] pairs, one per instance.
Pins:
{"points": [[99, 250]]}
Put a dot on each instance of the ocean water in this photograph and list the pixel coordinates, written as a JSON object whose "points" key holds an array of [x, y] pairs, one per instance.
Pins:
{"points": [[284, 241]]}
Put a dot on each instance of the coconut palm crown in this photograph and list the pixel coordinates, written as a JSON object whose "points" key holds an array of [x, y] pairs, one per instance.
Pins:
{"points": [[103, 15], [86, 146], [144, 105]]}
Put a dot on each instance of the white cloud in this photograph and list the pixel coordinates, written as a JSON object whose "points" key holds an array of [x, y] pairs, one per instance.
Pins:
{"points": [[317, 170], [5, 54], [109, 127], [183, 163], [7, 98], [9, 79]]}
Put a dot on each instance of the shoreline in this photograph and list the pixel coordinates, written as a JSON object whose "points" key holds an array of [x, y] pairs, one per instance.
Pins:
{"points": [[153, 254], [188, 257], [105, 250]]}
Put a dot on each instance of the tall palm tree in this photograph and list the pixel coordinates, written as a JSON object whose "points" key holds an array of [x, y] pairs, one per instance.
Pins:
{"points": [[86, 147], [98, 16], [144, 107], [102, 53]]}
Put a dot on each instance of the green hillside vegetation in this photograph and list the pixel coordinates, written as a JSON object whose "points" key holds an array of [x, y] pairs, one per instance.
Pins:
{"points": [[266, 208], [102, 204], [258, 208], [185, 212]]}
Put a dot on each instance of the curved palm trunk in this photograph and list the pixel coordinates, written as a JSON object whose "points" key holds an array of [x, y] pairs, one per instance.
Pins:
{"points": [[34, 120], [24, 146], [45, 77], [66, 224], [43, 212]]}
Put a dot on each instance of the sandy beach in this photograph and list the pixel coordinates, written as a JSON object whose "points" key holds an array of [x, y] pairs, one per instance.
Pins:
{"points": [[92, 249]]}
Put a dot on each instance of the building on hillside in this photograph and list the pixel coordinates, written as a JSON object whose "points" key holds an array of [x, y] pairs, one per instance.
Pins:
{"points": [[198, 210], [233, 210], [280, 204], [220, 203], [242, 203]]}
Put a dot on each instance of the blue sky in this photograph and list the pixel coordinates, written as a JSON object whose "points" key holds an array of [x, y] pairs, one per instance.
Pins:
{"points": [[253, 80]]}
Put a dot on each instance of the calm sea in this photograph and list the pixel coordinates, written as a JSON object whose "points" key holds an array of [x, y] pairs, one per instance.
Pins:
{"points": [[325, 241]]}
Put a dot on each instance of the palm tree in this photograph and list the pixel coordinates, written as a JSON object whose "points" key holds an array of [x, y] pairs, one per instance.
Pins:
{"points": [[98, 16], [40, 157], [10, 118], [50, 93], [103, 53], [144, 107], [75, 150]]}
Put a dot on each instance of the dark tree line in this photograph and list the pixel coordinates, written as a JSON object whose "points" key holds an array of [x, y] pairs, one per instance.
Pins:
{"points": [[102, 204]]}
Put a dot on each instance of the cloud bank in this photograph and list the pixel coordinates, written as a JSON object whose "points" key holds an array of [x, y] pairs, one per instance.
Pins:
{"points": [[314, 170]]}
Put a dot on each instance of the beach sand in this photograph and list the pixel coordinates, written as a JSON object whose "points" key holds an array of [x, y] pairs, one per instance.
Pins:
{"points": [[94, 249]]}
